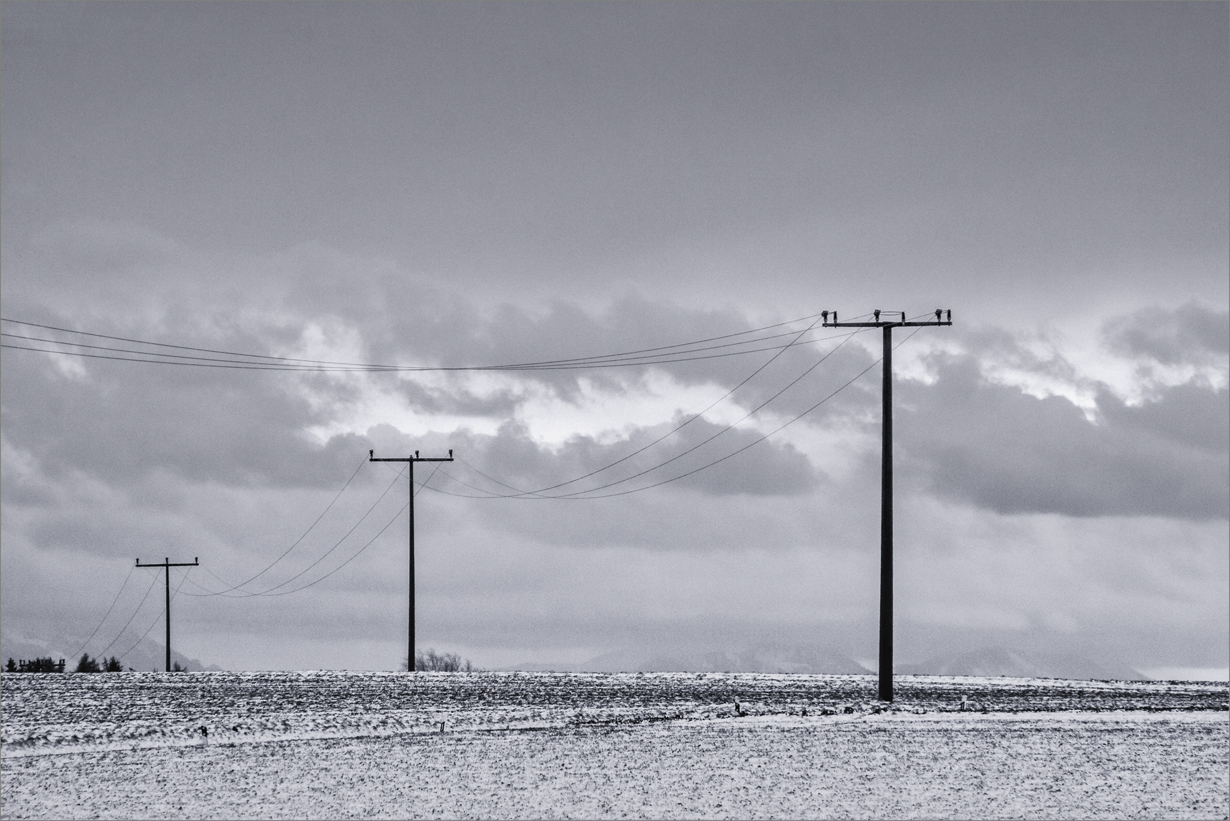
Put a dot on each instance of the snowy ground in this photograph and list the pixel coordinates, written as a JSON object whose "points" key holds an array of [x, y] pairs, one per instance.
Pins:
{"points": [[298, 745]]}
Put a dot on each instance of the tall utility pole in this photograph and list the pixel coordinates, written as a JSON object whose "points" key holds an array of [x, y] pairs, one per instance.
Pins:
{"points": [[371, 454], [886, 482], [168, 564]]}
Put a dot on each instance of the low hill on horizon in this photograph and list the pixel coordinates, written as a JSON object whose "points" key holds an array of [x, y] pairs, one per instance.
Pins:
{"points": [[983, 662], [1017, 663], [712, 660]]}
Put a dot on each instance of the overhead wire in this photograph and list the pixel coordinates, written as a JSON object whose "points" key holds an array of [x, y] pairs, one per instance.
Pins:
{"points": [[663, 354], [155, 621], [274, 591], [763, 437], [84, 644], [664, 436], [688, 351], [152, 582], [729, 427], [368, 544], [233, 593], [751, 444], [296, 542], [587, 493]]}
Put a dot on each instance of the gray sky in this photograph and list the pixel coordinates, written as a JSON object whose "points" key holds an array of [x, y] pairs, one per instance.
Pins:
{"points": [[472, 184]]}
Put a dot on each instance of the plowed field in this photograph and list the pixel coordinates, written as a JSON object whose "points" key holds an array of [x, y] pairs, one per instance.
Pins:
{"points": [[351, 744]]}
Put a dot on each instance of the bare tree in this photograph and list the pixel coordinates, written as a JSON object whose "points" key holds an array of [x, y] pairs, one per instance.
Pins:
{"points": [[431, 661]]}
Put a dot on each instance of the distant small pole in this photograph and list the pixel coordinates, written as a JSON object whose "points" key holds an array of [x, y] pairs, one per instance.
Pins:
{"points": [[410, 460], [885, 672], [168, 564]]}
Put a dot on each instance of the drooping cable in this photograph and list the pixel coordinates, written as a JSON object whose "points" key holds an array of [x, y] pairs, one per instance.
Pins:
{"points": [[587, 494], [672, 432], [664, 354], [295, 543], [152, 582], [270, 591], [763, 437], [368, 544], [84, 644], [155, 621], [590, 492]]}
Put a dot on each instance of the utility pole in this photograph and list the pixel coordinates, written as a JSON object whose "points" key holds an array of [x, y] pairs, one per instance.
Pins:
{"points": [[168, 564], [371, 455], [886, 481]]}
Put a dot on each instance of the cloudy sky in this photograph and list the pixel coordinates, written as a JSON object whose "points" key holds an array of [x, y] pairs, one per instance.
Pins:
{"points": [[450, 187]]}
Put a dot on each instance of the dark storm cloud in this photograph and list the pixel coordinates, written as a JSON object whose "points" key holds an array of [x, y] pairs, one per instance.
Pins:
{"points": [[752, 465], [1188, 416], [997, 447], [1192, 334]]}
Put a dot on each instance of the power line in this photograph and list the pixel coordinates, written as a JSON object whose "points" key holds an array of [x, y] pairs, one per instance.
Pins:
{"points": [[589, 492], [152, 582], [489, 495], [664, 436], [86, 643], [235, 594], [353, 556], [297, 541], [155, 621], [356, 554], [757, 441], [217, 358], [225, 364], [690, 351], [701, 444]]}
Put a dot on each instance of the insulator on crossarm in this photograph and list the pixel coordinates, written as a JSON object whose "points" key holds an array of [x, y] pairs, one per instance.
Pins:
{"points": [[877, 314]]}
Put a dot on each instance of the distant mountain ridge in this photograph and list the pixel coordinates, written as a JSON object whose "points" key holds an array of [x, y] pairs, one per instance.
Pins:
{"points": [[1000, 661], [713, 660], [985, 662]]}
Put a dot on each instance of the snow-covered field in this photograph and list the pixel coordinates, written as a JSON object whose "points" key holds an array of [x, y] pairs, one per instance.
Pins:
{"points": [[350, 744]]}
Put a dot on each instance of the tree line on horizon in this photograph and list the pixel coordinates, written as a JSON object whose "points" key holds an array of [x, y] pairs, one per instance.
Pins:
{"points": [[85, 664]]}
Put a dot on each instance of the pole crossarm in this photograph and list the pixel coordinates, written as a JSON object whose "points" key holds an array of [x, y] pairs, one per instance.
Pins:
{"points": [[410, 460], [167, 564], [886, 323], [942, 317]]}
